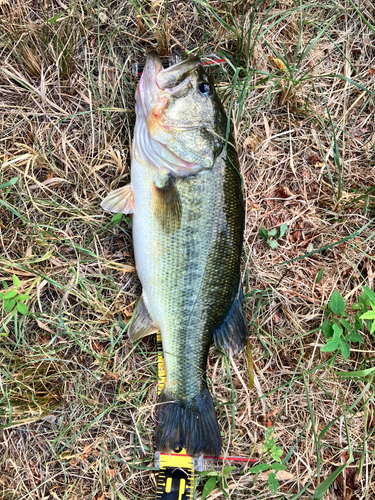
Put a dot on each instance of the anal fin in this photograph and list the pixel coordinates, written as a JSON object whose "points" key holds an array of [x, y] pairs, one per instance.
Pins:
{"points": [[231, 336], [141, 323], [120, 201]]}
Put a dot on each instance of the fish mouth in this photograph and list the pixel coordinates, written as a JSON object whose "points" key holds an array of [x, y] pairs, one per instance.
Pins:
{"points": [[168, 78], [177, 76], [158, 84], [157, 81]]}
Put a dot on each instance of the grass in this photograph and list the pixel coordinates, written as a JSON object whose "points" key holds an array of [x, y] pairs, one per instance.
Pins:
{"points": [[76, 397]]}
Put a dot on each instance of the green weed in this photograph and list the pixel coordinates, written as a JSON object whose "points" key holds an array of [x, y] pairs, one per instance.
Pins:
{"points": [[273, 453], [339, 329], [272, 237], [12, 299], [216, 478]]}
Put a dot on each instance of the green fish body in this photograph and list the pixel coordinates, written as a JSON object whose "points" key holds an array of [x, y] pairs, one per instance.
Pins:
{"points": [[188, 220]]}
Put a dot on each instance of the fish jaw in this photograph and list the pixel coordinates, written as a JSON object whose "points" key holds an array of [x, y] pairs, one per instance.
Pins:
{"points": [[148, 91], [152, 100]]}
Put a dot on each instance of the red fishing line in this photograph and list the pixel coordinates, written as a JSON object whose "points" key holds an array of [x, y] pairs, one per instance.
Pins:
{"points": [[233, 459]]}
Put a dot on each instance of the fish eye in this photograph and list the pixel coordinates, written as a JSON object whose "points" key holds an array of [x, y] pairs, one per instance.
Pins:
{"points": [[204, 88]]}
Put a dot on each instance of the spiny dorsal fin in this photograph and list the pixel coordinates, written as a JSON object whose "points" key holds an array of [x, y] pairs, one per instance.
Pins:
{"points": [[166, 203], [141, 323], [120, 201], [231, 336]]}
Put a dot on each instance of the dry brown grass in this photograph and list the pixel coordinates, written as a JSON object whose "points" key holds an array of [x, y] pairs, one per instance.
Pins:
{"points": [[77, 397]]}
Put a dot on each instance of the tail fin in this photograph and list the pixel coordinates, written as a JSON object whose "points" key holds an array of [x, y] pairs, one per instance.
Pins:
{"points": [[187, 424]]}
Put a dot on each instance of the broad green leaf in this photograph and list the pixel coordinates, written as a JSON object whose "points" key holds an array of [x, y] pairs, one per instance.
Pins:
{"points": [[330, 346], [209, 487], [116, 219], [276, 454], [345, 349], [372, 330], [283, 230], [223, 486], [368, 315], [16, 281], [9, 183], [344, 323], [277, 466], [22, 297], [336, 303], [263, 233], [354, 337], [370, 294], [273, 483], [228, 470], [337, 331], [9, 305], [273, 232], [319, 276], [22, 308], [362, 299], [209, 473], [222, 483], [259, 468], [10, 294], [327, 329], [273, 244]]}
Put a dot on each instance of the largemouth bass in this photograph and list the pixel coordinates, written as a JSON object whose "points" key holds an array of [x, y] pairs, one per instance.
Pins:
{"points": [[188, 221]]}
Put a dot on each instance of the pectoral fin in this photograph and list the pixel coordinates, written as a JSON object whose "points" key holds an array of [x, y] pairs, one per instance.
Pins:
{"points": [[166, 203], [141, 323], [231, 336], [120, 201]]}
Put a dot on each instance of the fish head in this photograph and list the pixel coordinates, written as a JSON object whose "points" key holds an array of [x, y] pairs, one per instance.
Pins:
{"points": [[182, 111]]}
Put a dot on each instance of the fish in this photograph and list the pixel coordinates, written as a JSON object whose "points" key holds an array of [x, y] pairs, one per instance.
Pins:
{"points": [[186, 197]]}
